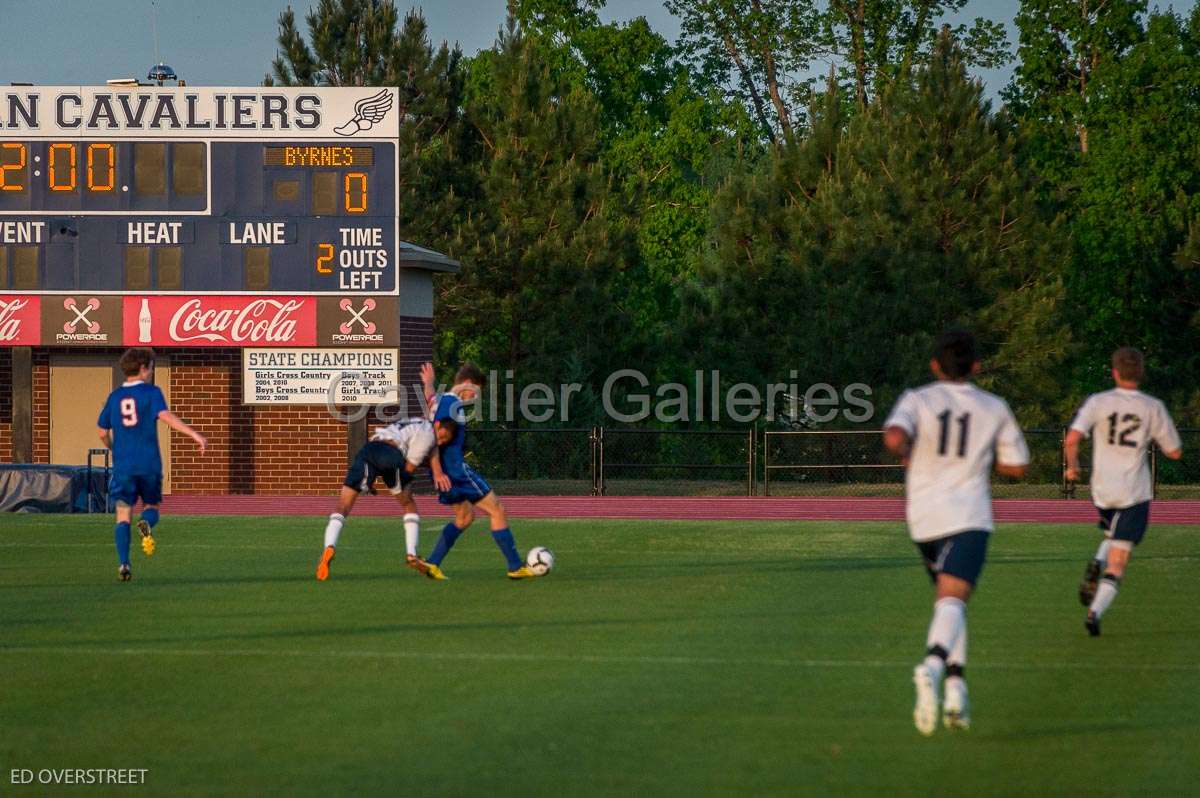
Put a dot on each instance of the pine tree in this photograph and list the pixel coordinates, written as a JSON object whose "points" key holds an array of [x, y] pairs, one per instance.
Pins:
{"points": [[537, 249]]}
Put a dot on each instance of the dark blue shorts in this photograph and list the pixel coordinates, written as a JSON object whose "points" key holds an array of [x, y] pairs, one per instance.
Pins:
{"points": [[470, 487], [378, 459], [961, 554], [1126, 523], [126, 488]]}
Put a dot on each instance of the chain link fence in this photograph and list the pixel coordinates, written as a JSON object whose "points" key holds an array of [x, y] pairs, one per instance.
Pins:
{"points": [[621, 461]]}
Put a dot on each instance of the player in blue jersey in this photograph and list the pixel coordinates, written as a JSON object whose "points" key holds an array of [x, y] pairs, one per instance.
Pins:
{"points": [[468, 490], [129, 426]]}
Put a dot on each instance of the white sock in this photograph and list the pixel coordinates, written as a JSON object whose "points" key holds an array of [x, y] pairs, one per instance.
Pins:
{"points": [[949, 619], [412, 532], [1102, 552], [333, 529], [958, 654], [1105, 593]]}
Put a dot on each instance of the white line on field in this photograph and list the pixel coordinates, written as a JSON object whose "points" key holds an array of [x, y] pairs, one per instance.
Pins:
{"points": [[598, 659]]}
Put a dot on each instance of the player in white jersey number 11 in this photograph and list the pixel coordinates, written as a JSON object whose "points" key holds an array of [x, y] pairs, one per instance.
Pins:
{"points": [[1124, 422], [949, 434]]}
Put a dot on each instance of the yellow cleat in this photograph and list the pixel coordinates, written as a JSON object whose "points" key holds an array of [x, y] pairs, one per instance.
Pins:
{"points": [[523, 572], [323, 566], [433, 572], [147, 537]]}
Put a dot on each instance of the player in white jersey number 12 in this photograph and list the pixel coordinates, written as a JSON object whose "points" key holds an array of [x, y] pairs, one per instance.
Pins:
{"points": [[1125, 421], [948, 433]]}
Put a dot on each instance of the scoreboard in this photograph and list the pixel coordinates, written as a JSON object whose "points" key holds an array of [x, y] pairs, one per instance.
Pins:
{"points": [[192, 191], [199, 216]]}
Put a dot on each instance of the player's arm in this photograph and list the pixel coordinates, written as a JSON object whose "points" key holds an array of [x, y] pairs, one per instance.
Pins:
{"points": [[173, 421], [1081, 427], [1012, 453], [897, 441], [1071, 452], [435, 467], [1166, 436], [105, 436], [427, 382], [900, 428]]}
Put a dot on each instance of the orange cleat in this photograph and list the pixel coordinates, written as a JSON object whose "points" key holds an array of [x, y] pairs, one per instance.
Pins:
{"points": [[323, 566], [417, 564]]}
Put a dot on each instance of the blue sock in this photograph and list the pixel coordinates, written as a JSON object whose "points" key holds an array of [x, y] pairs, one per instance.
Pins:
{"points": [[121, 534], [150, 516], [450, 534], [504, 539]]}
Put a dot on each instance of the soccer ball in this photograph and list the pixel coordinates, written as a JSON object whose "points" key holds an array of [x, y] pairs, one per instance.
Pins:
{"points": [[540, 560]]}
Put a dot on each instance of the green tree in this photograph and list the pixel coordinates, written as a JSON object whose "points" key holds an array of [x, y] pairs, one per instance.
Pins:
{"points": [[1134, 215], [1062, 43], [846, 255], [537, 247], [357, 42]]}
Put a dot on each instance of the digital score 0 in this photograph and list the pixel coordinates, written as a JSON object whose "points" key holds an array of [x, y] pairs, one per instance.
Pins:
{"points": [[129, 213]]}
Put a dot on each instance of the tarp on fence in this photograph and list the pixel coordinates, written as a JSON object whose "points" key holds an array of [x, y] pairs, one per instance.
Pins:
{"points": [[51, 489]]}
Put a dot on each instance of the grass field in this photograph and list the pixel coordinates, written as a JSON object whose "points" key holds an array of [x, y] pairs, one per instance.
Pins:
{"points": [[674, 658]]}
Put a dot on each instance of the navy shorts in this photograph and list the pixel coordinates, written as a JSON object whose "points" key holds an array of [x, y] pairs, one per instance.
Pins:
{"points": [[1126, 523], [470, 487], [961, 554], [126, 488], [378, 459]]}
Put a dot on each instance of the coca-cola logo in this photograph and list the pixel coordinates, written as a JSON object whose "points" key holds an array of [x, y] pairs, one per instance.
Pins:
{"points": [[10, 325], [259, 321]]}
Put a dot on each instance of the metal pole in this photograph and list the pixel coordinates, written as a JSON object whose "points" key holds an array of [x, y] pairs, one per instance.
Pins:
{"points": [[1153, 470], [766, 463], [1062, 463], [603, 486]]}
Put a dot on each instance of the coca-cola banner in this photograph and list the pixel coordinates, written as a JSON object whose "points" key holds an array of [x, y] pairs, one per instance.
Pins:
{"points": [[20, 320], [220, 321]]}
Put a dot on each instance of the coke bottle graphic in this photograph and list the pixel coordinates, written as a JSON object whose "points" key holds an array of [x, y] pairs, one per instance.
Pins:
{"points": [[144, 323]]}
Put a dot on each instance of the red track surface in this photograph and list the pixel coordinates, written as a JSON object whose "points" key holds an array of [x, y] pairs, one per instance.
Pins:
{"points": [[1053, 511]]}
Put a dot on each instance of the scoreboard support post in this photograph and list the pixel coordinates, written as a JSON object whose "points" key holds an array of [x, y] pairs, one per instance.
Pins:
{"points": [[22, 404]]}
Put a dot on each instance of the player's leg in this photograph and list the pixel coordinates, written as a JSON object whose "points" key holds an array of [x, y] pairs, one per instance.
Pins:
{"points": [[150, 489], [503, 536], [957, 562], [1095, 566], [123, 493], [412, 522], [358, 477], [464, 516], [956, 709], [1127, 528]]}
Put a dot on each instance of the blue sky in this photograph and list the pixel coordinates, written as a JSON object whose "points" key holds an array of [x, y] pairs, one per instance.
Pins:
{"points": [[232, 42]]}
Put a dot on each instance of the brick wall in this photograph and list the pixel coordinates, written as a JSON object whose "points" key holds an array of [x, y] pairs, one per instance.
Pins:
{"points": [[6, 452], [252, 449]]}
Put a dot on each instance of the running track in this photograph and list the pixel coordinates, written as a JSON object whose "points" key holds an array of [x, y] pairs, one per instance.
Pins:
{"points": [[1052, 511]]}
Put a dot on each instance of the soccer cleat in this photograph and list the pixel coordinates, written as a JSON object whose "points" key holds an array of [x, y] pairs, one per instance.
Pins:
{"points": [[433, 572], [1087, 588], [956, 709], [524, 572], [323, 566], [416, 563], [925, 712], [124, 573], [147, 537], [1092, 624]]}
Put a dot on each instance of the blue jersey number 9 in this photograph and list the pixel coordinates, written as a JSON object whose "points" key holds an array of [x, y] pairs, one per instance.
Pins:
{"points": [[129, 412]]}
